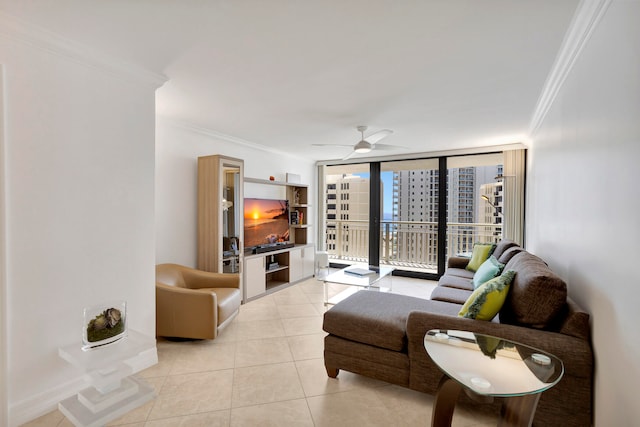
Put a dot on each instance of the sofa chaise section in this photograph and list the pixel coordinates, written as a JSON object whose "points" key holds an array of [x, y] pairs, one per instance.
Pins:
{"points": [[380, 335]]}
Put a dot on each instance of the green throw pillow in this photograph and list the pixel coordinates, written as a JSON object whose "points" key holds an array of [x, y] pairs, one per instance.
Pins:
{"points": [[481, 252], [487, 271], [486, 301]]}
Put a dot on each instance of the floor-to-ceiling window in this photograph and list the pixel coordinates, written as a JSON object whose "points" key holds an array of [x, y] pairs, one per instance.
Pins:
{"points": [[424, 210], [475, 201]]}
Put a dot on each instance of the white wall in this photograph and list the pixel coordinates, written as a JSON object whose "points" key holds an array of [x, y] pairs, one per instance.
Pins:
{"points": [[177, 150], [584, 199], [79, 209]]}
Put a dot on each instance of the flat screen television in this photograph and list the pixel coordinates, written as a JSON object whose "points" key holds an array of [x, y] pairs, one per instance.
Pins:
{"points": [[266, 221]]}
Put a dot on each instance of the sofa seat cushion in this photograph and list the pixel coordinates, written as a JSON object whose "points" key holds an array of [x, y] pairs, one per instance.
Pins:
{"points": [[374, 318], [459, 272], [456, 282], [452, 295], [537, 295]]}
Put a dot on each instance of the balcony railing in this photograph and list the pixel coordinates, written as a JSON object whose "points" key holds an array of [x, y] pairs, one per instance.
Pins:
{"points": [[405, 244]]}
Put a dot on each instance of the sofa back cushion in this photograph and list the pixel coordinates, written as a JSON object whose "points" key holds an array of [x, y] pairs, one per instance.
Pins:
{"points": [[537, 296], [502, 246], [509, 253]]}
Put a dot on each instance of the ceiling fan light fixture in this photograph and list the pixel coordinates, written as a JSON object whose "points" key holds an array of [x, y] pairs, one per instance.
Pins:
{"points": [[362, 147]]}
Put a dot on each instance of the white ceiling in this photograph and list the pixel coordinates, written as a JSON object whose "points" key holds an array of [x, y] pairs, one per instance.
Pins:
{"points": [[443, 74]]}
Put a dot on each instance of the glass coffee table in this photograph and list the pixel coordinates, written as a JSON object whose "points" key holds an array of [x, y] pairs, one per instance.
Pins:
{"points": [[379, 279], [487, 366]]}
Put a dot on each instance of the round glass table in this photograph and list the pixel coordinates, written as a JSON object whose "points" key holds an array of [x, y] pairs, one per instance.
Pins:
{"points": [[489, 366]]}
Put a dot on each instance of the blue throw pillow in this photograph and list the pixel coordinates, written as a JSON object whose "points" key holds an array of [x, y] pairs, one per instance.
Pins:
{"points": [[487, 271]]}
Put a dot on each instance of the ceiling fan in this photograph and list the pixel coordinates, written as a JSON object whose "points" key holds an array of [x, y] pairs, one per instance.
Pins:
{"points": [[367, 144]]}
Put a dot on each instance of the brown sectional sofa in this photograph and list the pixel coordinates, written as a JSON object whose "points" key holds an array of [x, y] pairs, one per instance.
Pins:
{"points": [[380, 335]]}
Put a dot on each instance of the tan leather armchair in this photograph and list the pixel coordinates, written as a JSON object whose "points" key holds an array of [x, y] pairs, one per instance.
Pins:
{"points": [[192, 303]]}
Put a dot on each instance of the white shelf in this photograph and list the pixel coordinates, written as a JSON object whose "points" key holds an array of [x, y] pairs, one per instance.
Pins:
{"points": [[273, 270], [267, 181], [133, 345]]}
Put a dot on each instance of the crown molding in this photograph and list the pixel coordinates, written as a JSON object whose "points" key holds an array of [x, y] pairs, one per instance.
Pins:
{"points": [[53, 43], [585, 20], [224, 137]]}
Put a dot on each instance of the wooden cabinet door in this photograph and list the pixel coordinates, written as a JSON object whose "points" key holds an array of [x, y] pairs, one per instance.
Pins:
{"points": [[308, 262], [296, 267], [255, 278]]}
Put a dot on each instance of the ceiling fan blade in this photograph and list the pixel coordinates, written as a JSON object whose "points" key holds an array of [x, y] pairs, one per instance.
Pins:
{"points": [[377, 136], [389, 147], [351, 154], [331, 145]]}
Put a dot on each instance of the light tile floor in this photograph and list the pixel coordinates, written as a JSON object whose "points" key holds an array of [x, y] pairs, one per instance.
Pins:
{"points": [[267, 369]]}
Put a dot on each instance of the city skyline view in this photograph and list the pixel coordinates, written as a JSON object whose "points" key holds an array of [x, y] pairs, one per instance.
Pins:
{"points": [[489, 174], [410, 204]]}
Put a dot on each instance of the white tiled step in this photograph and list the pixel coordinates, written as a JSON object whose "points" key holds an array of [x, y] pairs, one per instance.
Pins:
{"points": [[96, 401], [81, 416]]}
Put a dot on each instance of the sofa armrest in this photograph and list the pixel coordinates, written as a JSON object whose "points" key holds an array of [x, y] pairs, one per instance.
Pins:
{"points": [[576, 353], [457, 262], [186, 313], [197, 279]]}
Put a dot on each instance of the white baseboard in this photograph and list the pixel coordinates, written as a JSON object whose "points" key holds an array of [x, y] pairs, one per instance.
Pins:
{"points": [[47, 401], [42, 403]]}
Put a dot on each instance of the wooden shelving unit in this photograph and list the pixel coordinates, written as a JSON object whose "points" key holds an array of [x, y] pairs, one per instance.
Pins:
{"points": [[220, 213], [294, 264], [298, 196]]}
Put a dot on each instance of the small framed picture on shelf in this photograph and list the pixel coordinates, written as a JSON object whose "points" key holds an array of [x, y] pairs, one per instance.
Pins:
{"points": [[294, 217]]}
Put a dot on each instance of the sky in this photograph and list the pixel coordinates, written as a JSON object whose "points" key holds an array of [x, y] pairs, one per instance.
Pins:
{"points": [[387, 192]]}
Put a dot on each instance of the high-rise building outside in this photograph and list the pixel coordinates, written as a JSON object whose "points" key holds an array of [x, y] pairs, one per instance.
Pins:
{"points": [[415, 210], [347, 198], [409, 233]]}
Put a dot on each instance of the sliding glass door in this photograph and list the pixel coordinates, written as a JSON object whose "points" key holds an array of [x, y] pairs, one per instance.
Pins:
{"points": [[412, 214], [409, 229]]}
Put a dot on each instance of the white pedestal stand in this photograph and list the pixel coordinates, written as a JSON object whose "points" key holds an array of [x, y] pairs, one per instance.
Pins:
{"points": [[108, 370]]}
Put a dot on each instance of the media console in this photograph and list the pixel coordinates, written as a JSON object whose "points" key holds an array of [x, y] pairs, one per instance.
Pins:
{"points": [[270, 271], [271, 247], [273, 266]]}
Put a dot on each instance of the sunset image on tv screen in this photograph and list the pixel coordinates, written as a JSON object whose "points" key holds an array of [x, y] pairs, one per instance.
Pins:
{"points": [[266, 221]]}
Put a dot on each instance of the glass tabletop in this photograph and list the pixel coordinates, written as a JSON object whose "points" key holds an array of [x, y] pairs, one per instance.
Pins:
{"points": [[348, 276], [490, 365]]}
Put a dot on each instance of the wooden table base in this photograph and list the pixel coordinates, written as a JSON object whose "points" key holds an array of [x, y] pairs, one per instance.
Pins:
{"points": [[517, 411]]}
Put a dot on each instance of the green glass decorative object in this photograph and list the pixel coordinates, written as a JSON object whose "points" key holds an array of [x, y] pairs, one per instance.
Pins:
{"points": [[104, 324]]}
